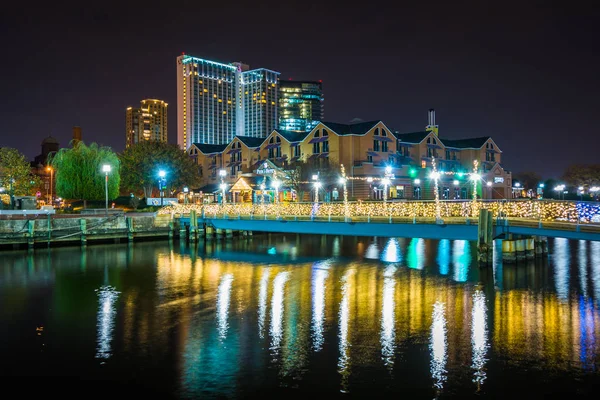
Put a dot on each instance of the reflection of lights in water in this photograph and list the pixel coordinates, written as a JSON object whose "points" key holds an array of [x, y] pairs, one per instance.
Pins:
{"points": [[277, 308], [461, 258], [443, 257], [479, 336], [391, 251], [262, 301], [387, 316], [595, 263], [587, 329], [343, 331], [582, 253], [497, 265], [336, 247], [223, 296], [416, 253], [107, 296], [560, 260], [372, 251], [318, 305], [438, 346]]}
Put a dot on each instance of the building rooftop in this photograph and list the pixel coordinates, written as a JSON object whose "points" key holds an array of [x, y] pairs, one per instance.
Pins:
{"points": [[412, 137], [210, 148], [351, 129], [472, 143], [251, 141], [292, 136]]}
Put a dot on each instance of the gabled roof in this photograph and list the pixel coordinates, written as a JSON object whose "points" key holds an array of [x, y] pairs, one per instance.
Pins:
{"points": [[210, 148], [473, 143], [251, 141], [412, 137], [292, 136], [351, 129]]}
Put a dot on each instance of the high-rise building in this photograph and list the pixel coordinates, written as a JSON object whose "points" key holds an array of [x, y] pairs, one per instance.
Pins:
{"points": [[300, 105], [217, 101], [148, 122]]}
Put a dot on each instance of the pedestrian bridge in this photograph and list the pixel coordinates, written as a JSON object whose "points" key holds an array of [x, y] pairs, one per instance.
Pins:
{"points": [[421, 227]]}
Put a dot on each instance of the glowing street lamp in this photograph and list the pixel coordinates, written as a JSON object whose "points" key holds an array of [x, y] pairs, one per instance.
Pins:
{"points": [[161, 185], [106, 169], [489, 184], [343, 181], [51, 170], [456, 183], [276, 185]]}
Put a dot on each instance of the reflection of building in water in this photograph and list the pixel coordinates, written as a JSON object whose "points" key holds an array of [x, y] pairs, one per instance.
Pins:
{"points": [[530, 326], [295, 310]]}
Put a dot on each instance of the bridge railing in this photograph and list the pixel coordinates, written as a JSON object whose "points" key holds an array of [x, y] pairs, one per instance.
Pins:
{"points": [[534, 210]]}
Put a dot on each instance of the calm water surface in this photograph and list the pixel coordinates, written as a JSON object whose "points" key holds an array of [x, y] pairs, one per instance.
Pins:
{"points": [[296, 315]]}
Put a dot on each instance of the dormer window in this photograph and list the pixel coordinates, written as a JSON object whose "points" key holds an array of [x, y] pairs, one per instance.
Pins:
{"points": [[317, 133], [383, 133], [278, 139], [271, 140], [376, 131], [325, 133]]}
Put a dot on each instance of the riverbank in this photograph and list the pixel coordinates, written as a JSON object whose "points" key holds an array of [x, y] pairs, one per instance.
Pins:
{"points": [[47, 229]]}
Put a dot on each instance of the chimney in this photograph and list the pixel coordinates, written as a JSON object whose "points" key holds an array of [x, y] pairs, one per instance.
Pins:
{"points": [[76, 134]]}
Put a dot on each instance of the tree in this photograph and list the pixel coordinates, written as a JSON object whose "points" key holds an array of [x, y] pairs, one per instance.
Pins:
{"points": [[300, 174], [15, 173], [582, 174], [79, 173], [141, 163], [528, 179]]}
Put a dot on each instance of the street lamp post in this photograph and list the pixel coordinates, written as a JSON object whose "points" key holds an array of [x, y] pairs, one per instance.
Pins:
{"points": [[370, 181], [161, 185], [51, 175], [106, 169], [185, 194]]}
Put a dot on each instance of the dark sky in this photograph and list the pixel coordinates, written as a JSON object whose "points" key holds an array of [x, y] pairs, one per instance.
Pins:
{"points": [[524, 73]]}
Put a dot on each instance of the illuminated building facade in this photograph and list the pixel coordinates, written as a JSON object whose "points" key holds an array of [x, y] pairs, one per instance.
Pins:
{"points": [[217, 101], [371, 152], [148, 122], [300, 105]]}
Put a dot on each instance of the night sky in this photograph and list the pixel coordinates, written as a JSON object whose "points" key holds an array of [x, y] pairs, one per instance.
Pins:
{"points": [[524, 73]]}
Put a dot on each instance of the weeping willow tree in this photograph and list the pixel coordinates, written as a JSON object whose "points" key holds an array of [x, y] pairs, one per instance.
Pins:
{"points": [[79, 174]]}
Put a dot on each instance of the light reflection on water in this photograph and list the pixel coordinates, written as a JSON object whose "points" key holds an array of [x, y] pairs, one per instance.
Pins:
{"points": [[419, 309], [107, 297], [438, 345], [320, 274]]}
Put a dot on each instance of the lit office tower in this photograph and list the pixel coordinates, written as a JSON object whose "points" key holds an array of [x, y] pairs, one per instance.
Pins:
{"points": [[148, 122], [300, 105], [217, 101]]}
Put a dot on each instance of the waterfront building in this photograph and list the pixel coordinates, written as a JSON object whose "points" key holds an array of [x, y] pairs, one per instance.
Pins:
{"points": [[300, 105], [217, 101], [148, 122], [370, 152]]}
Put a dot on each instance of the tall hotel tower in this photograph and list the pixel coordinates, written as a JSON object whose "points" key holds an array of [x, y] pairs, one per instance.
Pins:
{"points": [[217, 101]]}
